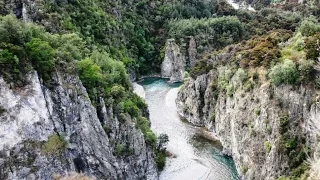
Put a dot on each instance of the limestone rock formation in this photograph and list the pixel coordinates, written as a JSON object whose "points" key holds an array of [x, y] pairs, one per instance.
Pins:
{"points": [[45, 131], [173, 65], [192, 52], [249, 123]]}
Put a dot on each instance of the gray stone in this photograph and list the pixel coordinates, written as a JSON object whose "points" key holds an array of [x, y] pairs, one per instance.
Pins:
{"points": [[192, 52], [173, 65], [35, 112], [241, 130]]}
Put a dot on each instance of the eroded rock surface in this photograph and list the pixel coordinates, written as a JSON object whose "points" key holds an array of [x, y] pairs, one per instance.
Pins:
{"points": [[32, 115], [251, 122], [173, 65]]}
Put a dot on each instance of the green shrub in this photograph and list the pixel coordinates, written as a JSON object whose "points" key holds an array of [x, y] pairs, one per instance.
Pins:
{"points": [[55, 145], [131, 108], [119, 149], [114, 72], [218, 32], [244, 169], [283, 178], [230, 90], [90, 73], [311, 47], [300, 170], [160, 158], [162, 142], [291, 143], [262, 50], [294, 48], [185, 75], [240, 76], [285, 73], [117, 91], [269, 129], [41, 55], [309, 27], [284, 121], [7, 57], [248, 86], [257, 111], [305, 70], [267, 146], [149, 136], [131, 150], [14, 31]]}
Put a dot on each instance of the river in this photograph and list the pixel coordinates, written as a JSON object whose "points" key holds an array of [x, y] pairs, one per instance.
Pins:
{"points": [[194, 158]]}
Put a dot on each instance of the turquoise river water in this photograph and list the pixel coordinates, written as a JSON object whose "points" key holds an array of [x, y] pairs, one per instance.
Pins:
{"points": [[194, 158]]}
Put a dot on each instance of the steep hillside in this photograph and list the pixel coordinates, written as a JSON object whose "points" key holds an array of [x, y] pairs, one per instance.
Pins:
{"points": [[67, 102], [261, 98], [61, 114]]}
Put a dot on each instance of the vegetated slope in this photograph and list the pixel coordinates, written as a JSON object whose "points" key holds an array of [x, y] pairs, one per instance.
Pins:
{"points": [[261, 97], [65, 108], [94, 43], [130, 31], [135, 32]]}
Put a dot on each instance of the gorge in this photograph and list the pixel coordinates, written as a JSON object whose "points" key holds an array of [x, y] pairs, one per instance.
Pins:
{"points": [[192, 157], [152, 89]]}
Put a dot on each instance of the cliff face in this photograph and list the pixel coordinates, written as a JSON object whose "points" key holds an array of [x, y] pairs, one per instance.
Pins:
{"points": [[178, 58], [48, 130], [192, 52], [254, 124], [173, 65]]}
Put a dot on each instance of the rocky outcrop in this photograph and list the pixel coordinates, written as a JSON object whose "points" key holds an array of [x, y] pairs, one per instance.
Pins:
{"points": [[22, 9], [250, 121], [192, 52], [88, 138], [173, 65], [178, 58]]}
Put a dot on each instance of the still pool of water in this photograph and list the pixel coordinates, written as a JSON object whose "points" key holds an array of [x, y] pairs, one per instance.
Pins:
{"points": [[194, 158]]}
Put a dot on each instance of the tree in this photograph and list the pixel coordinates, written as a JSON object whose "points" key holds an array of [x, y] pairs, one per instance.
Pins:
{"points": [[41, 55], [90, 73], [163, 140], [309, 27], [285, 73]]}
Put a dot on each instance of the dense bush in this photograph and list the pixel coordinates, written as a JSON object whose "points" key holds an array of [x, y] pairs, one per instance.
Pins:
{"points": [[284, 73], [262, 50], [149, 136], [41, 55], [90, 73], [24, 46], [240, 76], [306, 70], [309, 27], [312, 47], [215, 32], [294, 48], [160, 159]]}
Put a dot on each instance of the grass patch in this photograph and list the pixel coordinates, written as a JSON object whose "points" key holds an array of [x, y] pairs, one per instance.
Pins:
{"points": [[55, 145], [244, 169], [267, 146]]}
